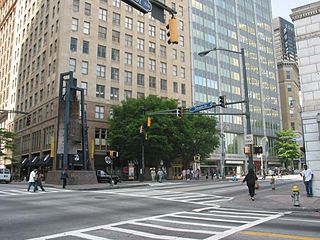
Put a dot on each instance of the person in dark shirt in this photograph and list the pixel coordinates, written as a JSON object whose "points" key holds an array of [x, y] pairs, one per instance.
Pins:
{"points": [[64, 176], [251, 179]]}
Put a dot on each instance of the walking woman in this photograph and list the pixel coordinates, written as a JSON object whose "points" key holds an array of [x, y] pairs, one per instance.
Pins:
{"points": [[251, 179]]}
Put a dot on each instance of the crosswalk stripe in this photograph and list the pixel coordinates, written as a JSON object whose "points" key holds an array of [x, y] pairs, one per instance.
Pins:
{"points": [[211, 219], [19, 192], [223, 215], [193, 223]]}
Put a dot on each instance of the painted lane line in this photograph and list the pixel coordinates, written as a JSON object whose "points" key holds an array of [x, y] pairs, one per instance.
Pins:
{"points": [[243, 227], [276, 235], [144, 234], [299, 220], [8, 193], [210, 219], [222, 215], [174, 229], [239, 213], [87, 236], [194, 224], [248, 210]]}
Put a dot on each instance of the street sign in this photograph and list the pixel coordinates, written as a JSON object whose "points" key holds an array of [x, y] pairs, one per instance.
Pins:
{"points": [[108, 160], [201, 107], [142, 5], [249, 139], [297, 139]]}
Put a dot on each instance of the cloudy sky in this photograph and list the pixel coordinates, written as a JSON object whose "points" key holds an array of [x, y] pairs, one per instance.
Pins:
{"points": [[283, 8]]}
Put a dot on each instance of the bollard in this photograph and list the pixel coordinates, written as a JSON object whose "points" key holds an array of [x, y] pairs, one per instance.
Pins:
{"points": [[295, 196]]}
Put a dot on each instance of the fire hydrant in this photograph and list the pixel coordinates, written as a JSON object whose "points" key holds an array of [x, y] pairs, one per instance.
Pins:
{"points": [[295, 196], [273, 183]]}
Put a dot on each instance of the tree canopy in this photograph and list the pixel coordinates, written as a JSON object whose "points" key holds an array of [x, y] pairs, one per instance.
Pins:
{"points": [[6, 143], [167, 138], [287, 149]]}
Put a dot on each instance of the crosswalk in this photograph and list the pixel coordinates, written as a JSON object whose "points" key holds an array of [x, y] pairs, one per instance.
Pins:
{"points": [[170, 195], [20, 192], [210, 223]]}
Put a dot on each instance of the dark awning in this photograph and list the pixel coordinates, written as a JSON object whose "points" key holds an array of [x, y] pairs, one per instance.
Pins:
{"points": [[33, 161], [45, 161], [24, 163]]}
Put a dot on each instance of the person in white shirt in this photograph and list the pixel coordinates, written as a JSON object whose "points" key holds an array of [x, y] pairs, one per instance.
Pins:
{"points": [[307, 179], [32, 181]]}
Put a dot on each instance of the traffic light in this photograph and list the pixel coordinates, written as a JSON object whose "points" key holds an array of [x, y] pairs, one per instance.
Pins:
{"points": [[148, 121], [223, 101], [179, 112], [257, 150], [173, 31], [112, 154], [28, 121]]}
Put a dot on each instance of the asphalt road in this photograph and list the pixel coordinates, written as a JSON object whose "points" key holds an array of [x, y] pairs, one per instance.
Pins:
{"points": [[188, 210]]}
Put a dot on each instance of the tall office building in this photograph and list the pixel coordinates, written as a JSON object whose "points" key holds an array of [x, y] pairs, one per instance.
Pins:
{"points": [[288, 73], [234, 25], [114, 51], [306, 21], [7, 95]]}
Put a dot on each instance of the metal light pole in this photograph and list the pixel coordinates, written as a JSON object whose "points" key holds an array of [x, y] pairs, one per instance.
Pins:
{"points": [[246, 93]]}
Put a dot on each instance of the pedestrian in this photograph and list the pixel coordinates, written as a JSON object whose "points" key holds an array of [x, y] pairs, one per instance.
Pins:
{"points": [[32, 180], [307, 179], [211, 173], [207, 176], [273, 183], [251, 179], [160, 175], [64, 176], [153, 174], [40, 176]]}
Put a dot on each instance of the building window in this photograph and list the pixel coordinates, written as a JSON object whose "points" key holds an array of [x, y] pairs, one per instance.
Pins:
{"points": [[140, 79], [152, 47], [152, 31], [75, 5], [152, 64], [100, 91], [175, 87], [87, 9], [114, 93], [127, 94], [183, 89], [289, 87], [163, 68], [174, 54], [163, 51], [73, 44], [85, 47], [140, 62], [116, 36], [128, 40], [116, 19], [101, 71], [128, 78], [101, 51], [182, 57], [84, 67], [163, 85], [152, 82], [174, 70], [180, 11], [115, 55], [128, 58], [163, 34], [182, 72], [181, 41], [99, 114], [293, 126], [128, 23], [100, 138], [288, 75], [74, 26], [86, 28], [84, 86], [72, 64], [140, 27], [181, 26], [102, 32], [140, 44], [102, 14], [115, 74], [116, 3]]}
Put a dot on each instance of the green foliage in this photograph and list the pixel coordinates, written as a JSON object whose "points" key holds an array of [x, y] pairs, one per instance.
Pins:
{"points": [[6, 143], [168, 136], [287, 149]]}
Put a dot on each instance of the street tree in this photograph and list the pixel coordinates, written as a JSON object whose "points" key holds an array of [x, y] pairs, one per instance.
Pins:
{"points": [[286, 148], [6, 144], [167, 138]]}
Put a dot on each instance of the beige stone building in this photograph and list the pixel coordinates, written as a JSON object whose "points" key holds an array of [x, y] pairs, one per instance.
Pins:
{"points": [[114, 51]]}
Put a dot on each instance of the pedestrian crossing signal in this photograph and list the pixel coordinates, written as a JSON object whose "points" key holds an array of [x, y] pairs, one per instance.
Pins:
{"points": [[257, 150]]}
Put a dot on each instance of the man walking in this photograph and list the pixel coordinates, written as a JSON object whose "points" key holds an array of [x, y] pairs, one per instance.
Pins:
{"points": [[64, 176], [251, 179], [32, 180], [307, 179]]}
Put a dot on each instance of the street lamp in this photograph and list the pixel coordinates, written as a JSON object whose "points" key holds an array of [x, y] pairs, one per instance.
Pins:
{"points": [[246, 97]]}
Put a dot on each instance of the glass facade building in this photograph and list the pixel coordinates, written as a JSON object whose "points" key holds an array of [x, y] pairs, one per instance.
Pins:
{"points": [[232, 25]]}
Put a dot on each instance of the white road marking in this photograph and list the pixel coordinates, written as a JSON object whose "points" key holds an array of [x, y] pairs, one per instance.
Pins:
{"points": [[200, 218], [19, 192], [299, 220]]}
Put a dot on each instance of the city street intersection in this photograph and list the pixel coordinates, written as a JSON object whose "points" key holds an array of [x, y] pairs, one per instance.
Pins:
{"points": [[170, 210]]}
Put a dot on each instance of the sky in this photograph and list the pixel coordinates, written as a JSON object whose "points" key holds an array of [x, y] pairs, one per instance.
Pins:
{"points": [[282, 8]]}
